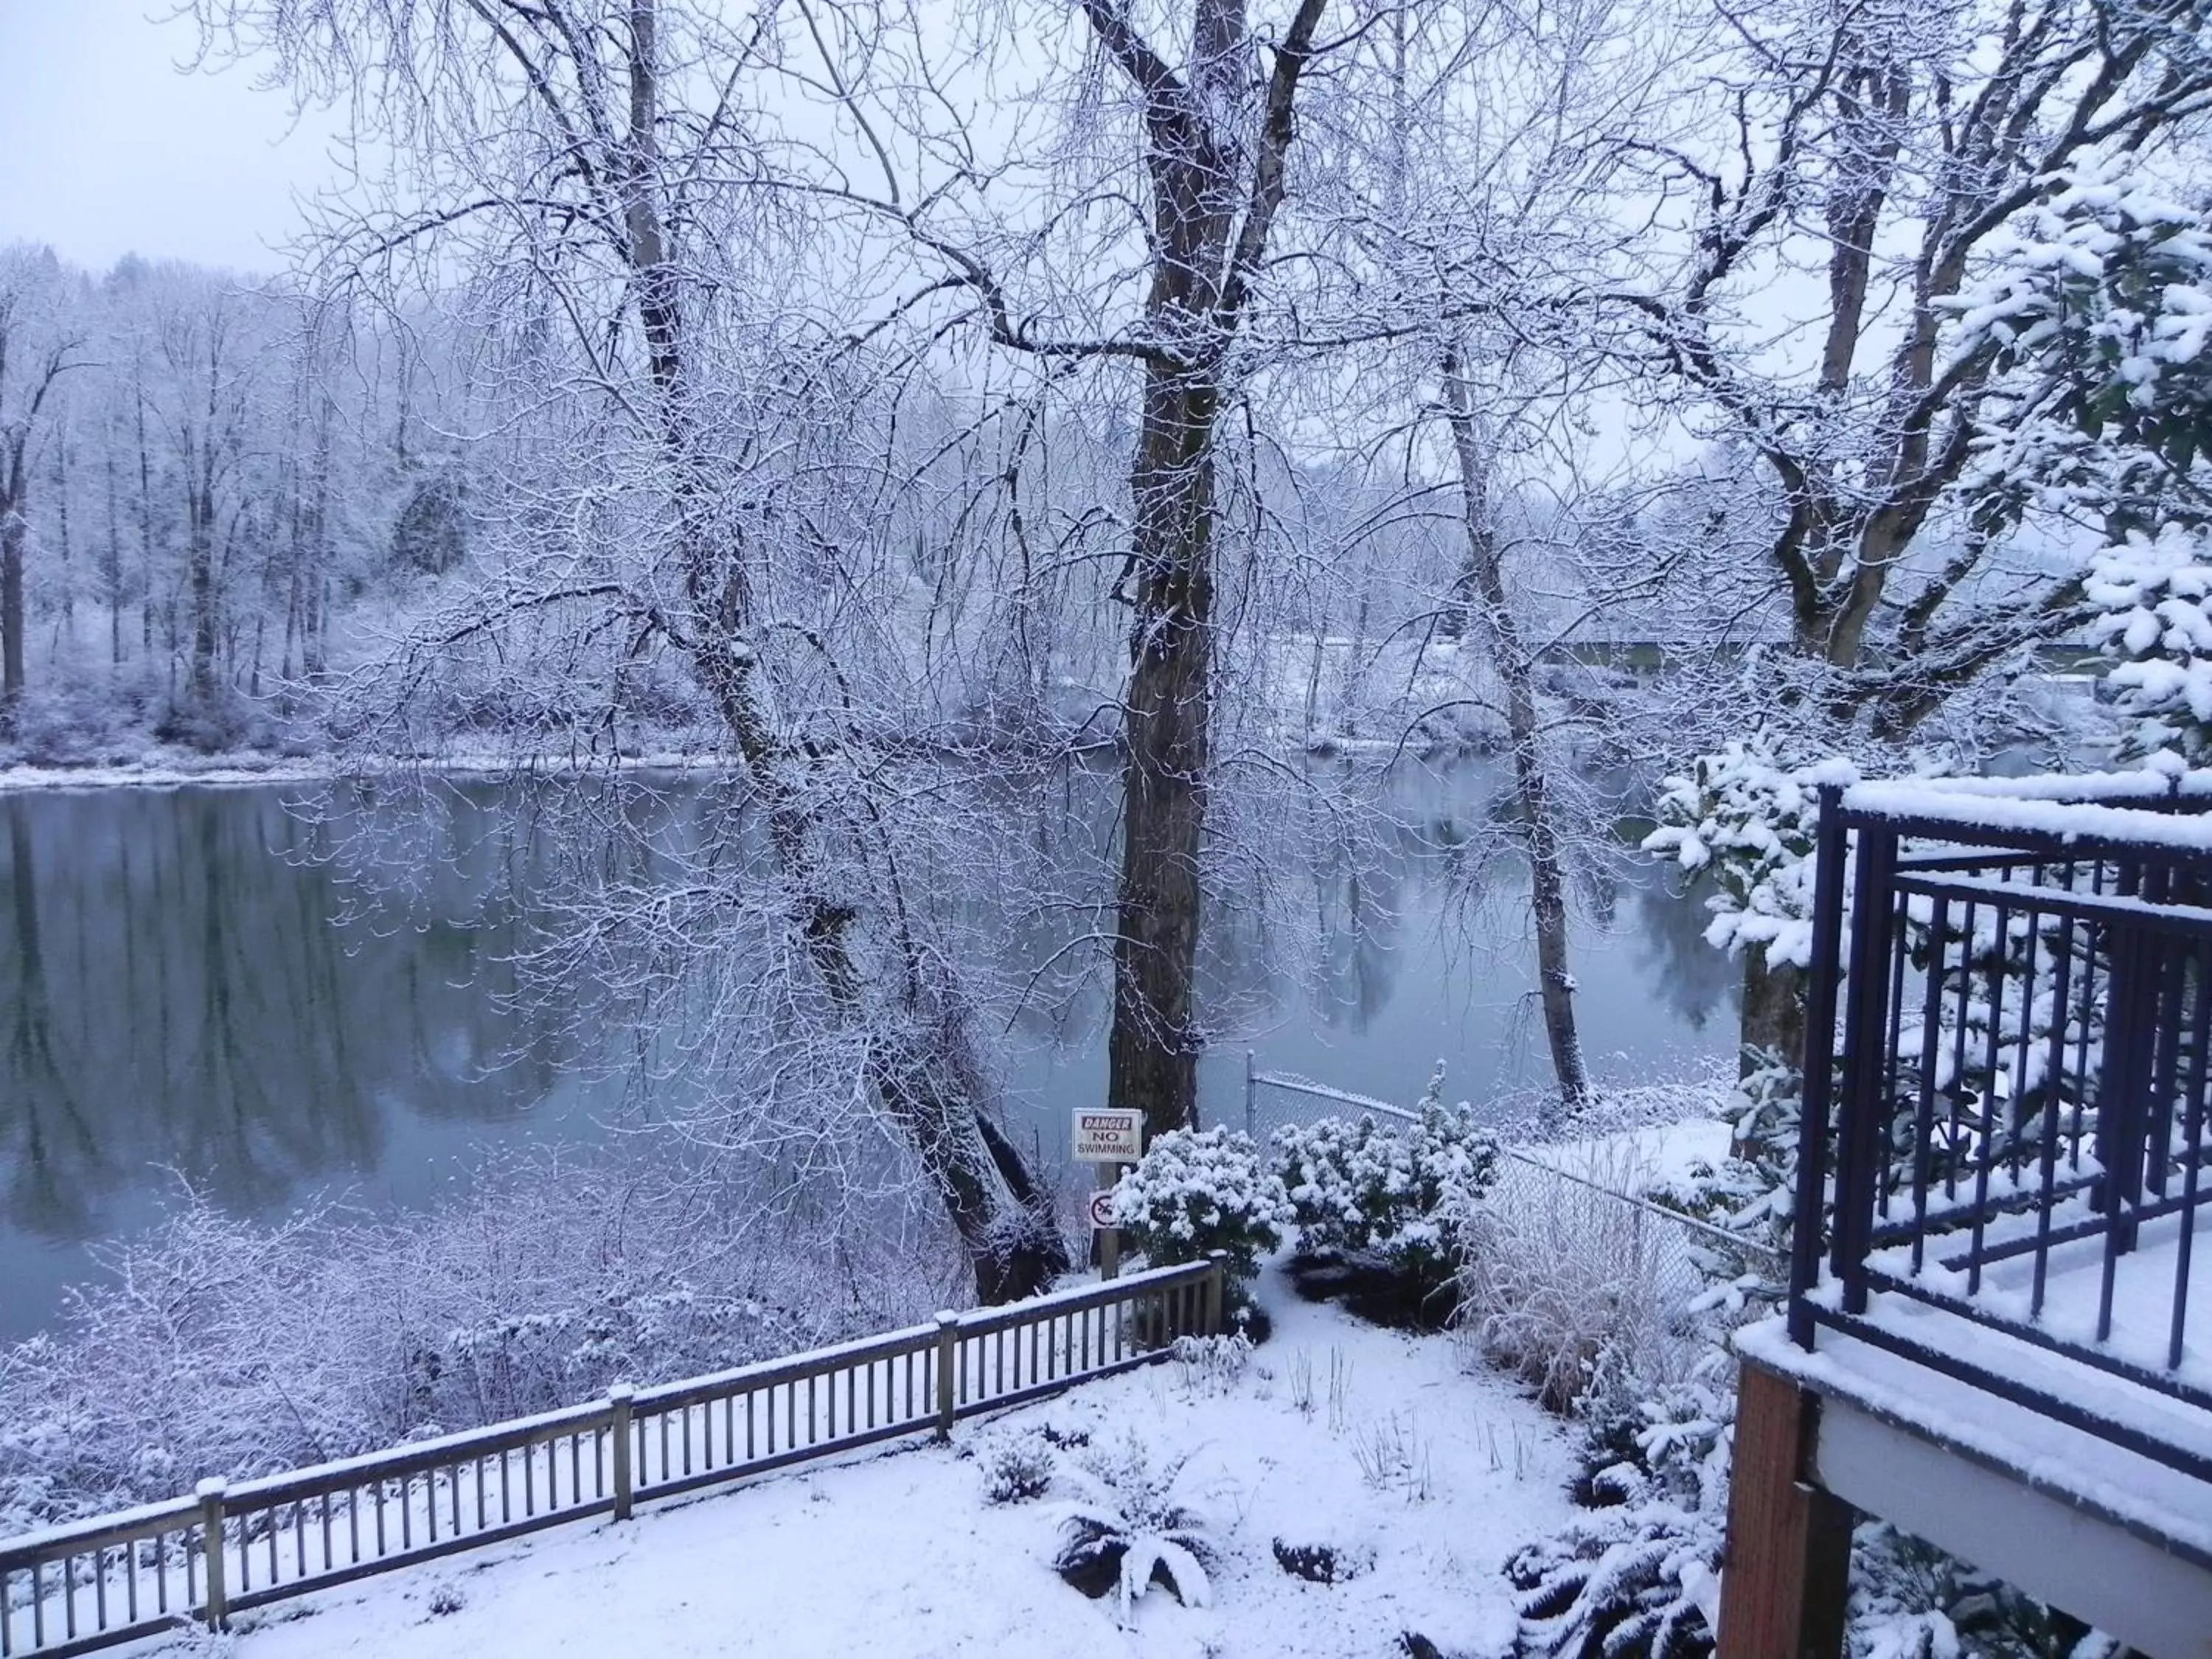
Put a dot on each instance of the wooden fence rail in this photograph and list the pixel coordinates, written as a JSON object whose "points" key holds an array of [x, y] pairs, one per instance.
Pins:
{"points": [[231, 1547]]}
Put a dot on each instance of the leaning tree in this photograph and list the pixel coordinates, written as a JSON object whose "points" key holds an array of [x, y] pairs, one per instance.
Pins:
{"points": [[596, 170]]}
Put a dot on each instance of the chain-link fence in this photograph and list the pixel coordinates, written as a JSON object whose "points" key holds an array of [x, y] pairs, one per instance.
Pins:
{"points": [[1569, 1268], [1276, 1100]]}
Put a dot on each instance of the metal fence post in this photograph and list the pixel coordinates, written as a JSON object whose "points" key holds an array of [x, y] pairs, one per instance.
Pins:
{"points": [[948, 1357], [216, 1610], [1862, 1128], [1109, 1238], [1833, 851], [1216, 1289], [619, 1398]]}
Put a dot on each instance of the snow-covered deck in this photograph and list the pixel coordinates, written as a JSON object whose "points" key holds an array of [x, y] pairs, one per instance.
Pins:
{"points": [[2101, 1525], [2149, 1283], [2009, 1062]]}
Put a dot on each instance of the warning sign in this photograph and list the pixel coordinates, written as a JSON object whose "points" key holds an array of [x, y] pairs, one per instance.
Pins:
{"points": [[1102, 1211], [1109, 1134]]}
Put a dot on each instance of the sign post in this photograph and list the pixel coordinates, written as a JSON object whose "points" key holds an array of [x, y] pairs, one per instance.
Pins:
{"points": [[1101, 1222], [1108, 1136]]}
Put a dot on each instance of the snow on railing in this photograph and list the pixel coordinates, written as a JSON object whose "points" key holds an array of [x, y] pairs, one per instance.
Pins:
{"points": [[115, 1578], [2009, 1086]]}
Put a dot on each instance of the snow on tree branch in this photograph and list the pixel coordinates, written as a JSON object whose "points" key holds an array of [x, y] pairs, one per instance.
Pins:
{"points": [[1746, 818]]}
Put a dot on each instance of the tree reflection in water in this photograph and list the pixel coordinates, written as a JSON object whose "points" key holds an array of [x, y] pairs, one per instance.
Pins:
{"points": [[177, 997], [267, 1002]]}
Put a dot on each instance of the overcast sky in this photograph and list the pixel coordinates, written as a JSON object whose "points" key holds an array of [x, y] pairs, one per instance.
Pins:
{"points": [[107, 148]]}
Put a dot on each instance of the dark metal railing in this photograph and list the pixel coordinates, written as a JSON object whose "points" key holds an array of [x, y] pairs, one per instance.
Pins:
{"points": [[2008, 1123]]}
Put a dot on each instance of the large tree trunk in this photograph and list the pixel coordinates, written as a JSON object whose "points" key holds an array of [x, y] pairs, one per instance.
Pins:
{"points": [[1771, 1024], [145, 517], [1774, 1017], [312, 551], [1482, 592], [65, 630], [1152, 1054], [15, 505], [1209, 231], [111, 567], [200, 583]]}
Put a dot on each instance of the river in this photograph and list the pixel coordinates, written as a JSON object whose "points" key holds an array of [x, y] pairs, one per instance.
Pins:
{"points": [[193, 989]]}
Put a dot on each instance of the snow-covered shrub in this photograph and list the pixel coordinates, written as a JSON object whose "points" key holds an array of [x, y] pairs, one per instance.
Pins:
{"points": [[1911, 1601], [1131, 1529], [220, 722], [1636, 1574], [1639, 1577], [1393, 1192], [1605, 1310], [1628, 1583], [1738, 1197], [1633, 1575], [1212, 1365], [1017, 1468], [444, 1599], [1764, 1111], [1199, 1191], [1752, 1191], [1576, 1292], [2154, 600], [2095, 314], [79, 719], [1323, 1562]]}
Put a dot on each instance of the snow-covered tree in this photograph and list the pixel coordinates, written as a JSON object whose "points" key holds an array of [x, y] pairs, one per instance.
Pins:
{"points": [[2098, 320], [2102, 309], [38, 347], [702, 495], [1879, 158], [2152, 594], [1743, 819]]}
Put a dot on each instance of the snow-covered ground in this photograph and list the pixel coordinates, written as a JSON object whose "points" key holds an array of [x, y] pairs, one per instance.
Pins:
{"points": [[1638, 1159], [1336, 1432]]}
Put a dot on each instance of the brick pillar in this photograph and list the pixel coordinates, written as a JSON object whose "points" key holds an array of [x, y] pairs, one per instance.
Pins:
{"points": [[1786, 1576]]}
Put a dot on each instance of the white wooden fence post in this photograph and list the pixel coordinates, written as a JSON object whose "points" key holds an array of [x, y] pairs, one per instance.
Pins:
{"points": [[948, 1358], [618, 1403], [216, 1607]]}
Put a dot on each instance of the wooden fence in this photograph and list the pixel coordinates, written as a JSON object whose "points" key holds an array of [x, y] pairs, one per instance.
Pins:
{"points": [[229, 1548]]}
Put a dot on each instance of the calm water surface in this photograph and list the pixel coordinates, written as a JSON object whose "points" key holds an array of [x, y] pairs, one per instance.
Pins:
{"points": [[191, 992]]}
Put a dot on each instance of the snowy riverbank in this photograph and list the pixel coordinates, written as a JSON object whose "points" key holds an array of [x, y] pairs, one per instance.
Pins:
{"points": [[166, 768]]}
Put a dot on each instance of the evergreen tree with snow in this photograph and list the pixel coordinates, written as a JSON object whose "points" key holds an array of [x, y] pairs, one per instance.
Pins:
{"points": [[2152, 591], [2097, 324]]}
